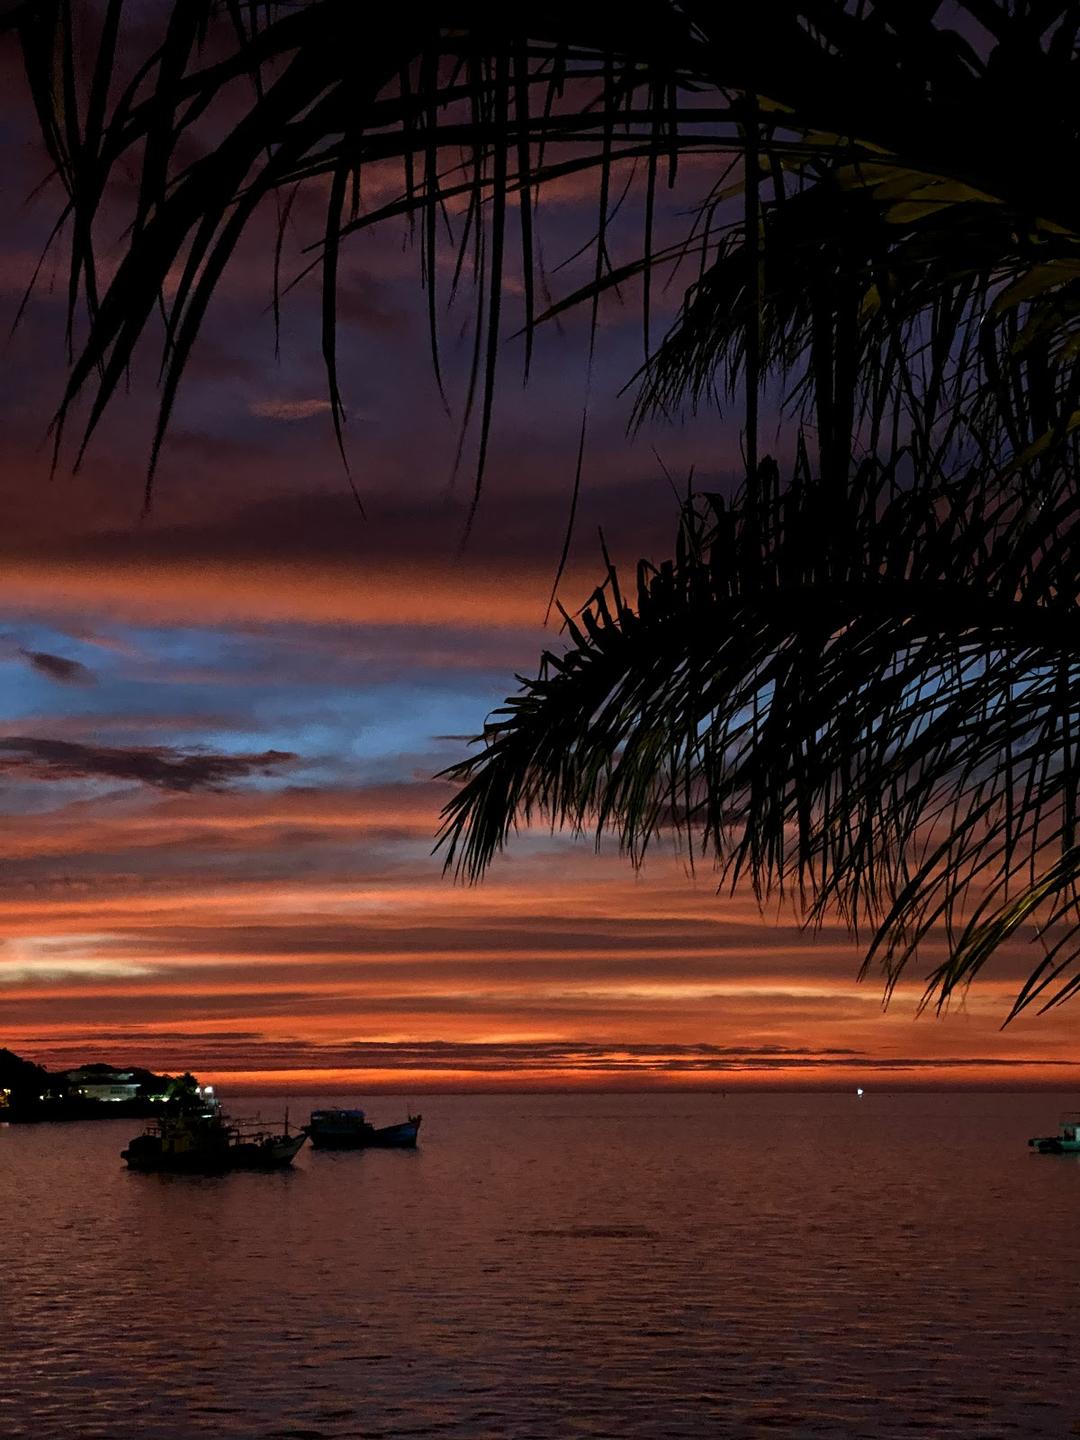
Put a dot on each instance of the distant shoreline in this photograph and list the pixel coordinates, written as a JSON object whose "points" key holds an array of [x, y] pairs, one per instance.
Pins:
{"points": [[47, 1112], [32, 1095]]}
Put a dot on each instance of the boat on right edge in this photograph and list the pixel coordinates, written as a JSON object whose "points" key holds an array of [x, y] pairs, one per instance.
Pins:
{"points": [[1065, 1142], [351, 1130]]}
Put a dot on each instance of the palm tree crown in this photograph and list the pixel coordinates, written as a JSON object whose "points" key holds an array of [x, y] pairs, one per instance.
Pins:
{"points": [[856, 682]]}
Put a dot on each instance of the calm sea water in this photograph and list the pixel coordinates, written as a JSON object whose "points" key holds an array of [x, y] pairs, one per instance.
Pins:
{"points": [[628, 1266]]}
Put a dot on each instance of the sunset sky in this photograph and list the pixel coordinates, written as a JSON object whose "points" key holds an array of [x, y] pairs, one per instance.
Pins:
{"points": [[219, 724]]}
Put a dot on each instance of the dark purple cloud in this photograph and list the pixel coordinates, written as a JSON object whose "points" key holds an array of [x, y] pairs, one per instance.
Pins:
{"points": [[162, 766], [57, 667]]}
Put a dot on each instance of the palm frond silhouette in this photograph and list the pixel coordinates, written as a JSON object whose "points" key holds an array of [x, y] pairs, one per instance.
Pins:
{"points": [[857, 683], [869, 708]]}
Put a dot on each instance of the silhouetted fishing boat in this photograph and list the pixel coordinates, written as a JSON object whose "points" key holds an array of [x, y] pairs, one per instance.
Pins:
{"points": [[351, 1130], [1065, 1142], [207, 1142]]}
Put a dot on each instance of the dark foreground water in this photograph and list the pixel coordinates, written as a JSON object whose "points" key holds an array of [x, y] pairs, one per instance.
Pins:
{"points": [[657, 1266]]}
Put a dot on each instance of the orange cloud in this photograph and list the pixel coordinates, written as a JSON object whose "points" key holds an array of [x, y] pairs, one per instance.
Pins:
{"points": [[565, 970]]}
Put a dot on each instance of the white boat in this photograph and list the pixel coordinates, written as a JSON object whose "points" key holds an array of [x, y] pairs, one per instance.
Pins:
{"points": [[1065, 1142]]}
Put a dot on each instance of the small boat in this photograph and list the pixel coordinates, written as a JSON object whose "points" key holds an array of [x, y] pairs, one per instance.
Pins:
{"points": [[351, 1130], [1065, 1142], [205, 1141]]}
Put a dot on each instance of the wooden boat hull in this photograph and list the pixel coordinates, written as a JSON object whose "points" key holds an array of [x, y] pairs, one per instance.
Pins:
{"points": [[149, 1154], [209, 1149], [196, 1163], [271, 1154]]}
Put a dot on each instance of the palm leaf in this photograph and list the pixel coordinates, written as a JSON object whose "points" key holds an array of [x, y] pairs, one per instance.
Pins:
{"points": [[868, 717], [886, 116], [855, 687]]}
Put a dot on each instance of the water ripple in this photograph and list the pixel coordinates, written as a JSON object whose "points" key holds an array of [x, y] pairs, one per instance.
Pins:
{"points": [[642, 1268]]}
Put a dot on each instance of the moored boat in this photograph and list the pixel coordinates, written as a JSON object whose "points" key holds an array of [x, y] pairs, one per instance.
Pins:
{"points": [[206, 1142], [351, 1130], [1065, 1142]]}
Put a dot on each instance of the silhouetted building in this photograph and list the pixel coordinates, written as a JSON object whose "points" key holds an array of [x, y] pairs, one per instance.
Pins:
{"points": [[100, 1082]]}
